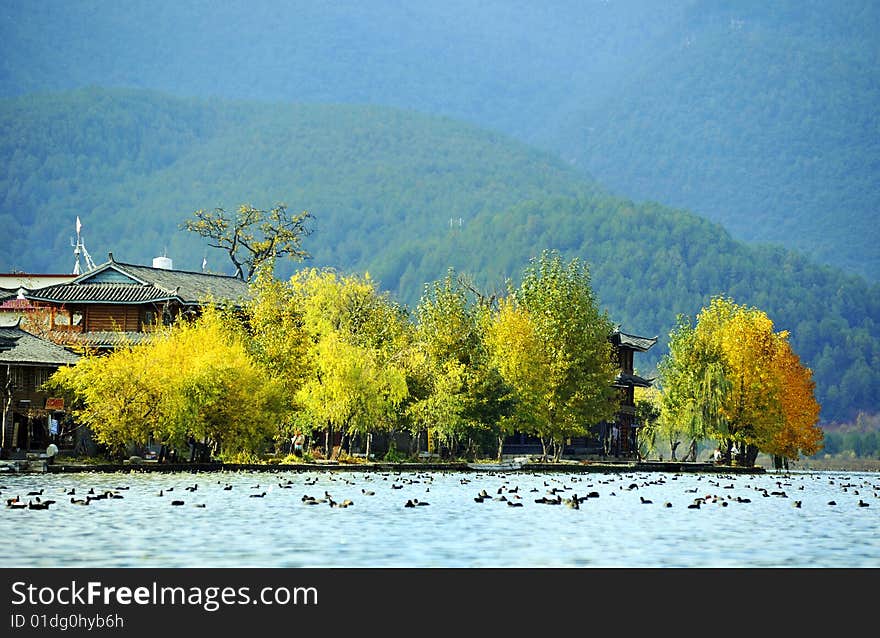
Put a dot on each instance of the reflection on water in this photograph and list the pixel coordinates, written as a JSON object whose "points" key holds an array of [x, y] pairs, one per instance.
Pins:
{"points": [[742, 520]]}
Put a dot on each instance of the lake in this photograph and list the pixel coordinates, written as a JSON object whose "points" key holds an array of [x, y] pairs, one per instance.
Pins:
{"points": [[743, 520]]}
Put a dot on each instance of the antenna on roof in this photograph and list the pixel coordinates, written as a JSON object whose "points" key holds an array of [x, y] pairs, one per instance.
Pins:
{"points": [[79, 250]]}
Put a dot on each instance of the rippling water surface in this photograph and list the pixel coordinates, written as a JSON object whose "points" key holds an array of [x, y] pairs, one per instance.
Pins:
{"points": [[743, 521]]}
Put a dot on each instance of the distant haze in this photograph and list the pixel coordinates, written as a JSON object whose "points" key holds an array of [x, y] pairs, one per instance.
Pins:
{"points": [[759, 115]]}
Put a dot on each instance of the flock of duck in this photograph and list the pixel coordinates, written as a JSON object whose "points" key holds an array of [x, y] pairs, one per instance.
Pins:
{"points": [[570, 491]]}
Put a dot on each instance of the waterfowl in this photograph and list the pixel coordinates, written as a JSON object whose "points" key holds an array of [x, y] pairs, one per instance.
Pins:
{"points": [[797, 503], [38, 506], [863, 504], [228, 487], [199, 505], [38, 493], [16, 505], [368, 492], [694, 506], [667, 504], [645, 501], [409, 503], [514, 504], [79, 501], [177, 502], [260, 495], [832, 502]]}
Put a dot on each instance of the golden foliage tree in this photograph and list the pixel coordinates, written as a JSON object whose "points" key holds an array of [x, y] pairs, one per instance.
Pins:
{"points": [[191, 379], [732, 378]]}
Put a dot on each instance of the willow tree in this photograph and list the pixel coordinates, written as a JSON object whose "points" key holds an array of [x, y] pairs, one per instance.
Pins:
{"points": [[253, 237], [741, 383], [280, 343], [571, 347], [191, 379], [694, 386], [358, 336]]}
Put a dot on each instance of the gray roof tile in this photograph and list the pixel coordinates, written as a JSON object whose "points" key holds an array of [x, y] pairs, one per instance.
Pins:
{"points": [[632, 341], [20, 347], [158, 284]]}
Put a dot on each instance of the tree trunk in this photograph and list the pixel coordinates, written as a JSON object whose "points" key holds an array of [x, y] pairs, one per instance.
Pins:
{"points": [[367, 446], [750, 455], [673, 445], [500, 446], [692, 451], [543, 450]]}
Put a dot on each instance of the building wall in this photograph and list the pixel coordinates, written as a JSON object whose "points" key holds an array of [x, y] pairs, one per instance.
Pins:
{"points": [[27, 419], [106, 317]]}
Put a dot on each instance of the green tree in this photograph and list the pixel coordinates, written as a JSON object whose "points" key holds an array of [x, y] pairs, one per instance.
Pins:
{"points": [[465, 397], [571, 335]]}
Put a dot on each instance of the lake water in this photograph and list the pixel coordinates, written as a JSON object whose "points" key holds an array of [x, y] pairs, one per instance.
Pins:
{"points": [[744, 521]]}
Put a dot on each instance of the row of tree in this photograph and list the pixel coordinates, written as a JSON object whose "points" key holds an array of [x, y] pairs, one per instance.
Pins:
{"points": [[325, 352]]}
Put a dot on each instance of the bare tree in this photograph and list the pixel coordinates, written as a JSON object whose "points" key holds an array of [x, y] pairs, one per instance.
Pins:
{"points": [[253, 237]]}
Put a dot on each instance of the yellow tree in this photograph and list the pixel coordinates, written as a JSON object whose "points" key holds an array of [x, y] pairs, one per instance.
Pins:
{"points": [[358, 337], [191, 379], [117, 396], [515, 349], [280, 343], [796, 430], [739, 380]]}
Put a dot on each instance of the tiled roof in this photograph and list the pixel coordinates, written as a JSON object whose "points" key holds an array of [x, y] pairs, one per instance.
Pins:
{"points": [[101, 293], [18, 346], [623, 380], [632, 341], [99, 339], [5, 294], [191, 287], [145, 285]]}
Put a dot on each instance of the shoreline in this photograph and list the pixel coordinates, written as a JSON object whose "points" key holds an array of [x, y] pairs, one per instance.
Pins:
{"points": [[564, 466]]}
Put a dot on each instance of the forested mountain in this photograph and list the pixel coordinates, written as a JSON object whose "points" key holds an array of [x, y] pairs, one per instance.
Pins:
{"points": [[759, 115], [404, 196]]}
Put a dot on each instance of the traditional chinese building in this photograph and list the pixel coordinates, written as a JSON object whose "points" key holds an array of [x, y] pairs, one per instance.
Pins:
{"points": [[30, 416], [624, 430], [119, 303]]}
